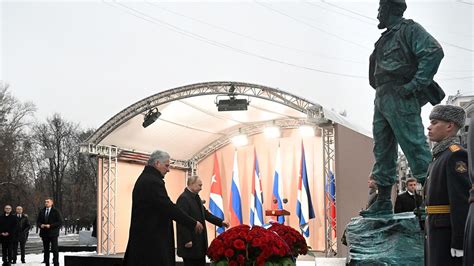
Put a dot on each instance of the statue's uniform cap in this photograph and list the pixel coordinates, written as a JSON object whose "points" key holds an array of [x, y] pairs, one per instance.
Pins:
{"points": [[449, 113]]}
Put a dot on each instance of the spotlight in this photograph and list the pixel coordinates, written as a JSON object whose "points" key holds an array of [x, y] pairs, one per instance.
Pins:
{"points": [[306, 131], [151, 117], [240, 140], [272, 132], [231, 104]]}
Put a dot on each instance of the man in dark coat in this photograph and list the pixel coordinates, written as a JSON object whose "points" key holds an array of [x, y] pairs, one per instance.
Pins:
{"points": [[49, 221], [7, 234], [408, 201], [151, 236], [468, 258], [22, 232], [192, 247], [446, 188]]}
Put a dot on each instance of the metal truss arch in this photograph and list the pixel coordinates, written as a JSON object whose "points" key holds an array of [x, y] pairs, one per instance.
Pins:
{"points": [[207, 88]]}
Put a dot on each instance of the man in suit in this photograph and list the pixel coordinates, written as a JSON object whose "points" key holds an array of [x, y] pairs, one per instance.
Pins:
{"points": [[50, 221], [446, 189], [408, 201], [7, 234], [151, 236], [21, 234], [192, 247]]}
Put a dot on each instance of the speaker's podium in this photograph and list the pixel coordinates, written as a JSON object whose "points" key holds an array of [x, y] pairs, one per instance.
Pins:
{"points": [[277, 213]]}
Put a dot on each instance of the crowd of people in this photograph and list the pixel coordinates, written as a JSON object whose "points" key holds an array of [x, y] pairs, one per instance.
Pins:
{"points": [[14, 230], [15, 227]]}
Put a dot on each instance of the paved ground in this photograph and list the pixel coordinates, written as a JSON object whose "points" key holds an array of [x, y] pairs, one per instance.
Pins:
{"points": [[34, 244]]}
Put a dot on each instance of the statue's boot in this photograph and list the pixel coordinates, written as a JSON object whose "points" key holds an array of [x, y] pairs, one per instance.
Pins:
{"points": [[382, 205]]}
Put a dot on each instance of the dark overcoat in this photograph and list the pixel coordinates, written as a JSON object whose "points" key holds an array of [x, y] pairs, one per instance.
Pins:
{"points": [[407, 203], [23, 228], [469, 231], [447, 183], [54, 219], [151, 236], [7, 225], [191, 204]]}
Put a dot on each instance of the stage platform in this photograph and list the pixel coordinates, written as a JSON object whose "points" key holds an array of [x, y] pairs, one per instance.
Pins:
{"points": [[102, 260], [116, 260]]}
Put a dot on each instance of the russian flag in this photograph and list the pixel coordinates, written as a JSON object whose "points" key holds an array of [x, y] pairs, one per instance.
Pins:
{"points": [[235, 201], [304, 206], [216, 206], [256, 198], [277, 194], [331, 189]]}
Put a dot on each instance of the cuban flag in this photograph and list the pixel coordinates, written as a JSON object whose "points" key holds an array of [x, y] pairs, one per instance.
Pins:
{"points": [[304, 206], [235, 201], [277, 194], [256, 198], [216, 206]]}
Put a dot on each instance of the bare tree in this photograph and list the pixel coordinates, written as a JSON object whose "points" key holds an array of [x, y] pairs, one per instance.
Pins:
{"points": [[15, 175], [61, 138]]}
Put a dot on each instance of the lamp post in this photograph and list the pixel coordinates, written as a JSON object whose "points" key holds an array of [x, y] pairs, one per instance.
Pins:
{"points": [[49, 154]]}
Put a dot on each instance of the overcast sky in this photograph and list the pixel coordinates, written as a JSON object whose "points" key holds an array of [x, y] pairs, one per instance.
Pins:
{"points": [[88, 60]]}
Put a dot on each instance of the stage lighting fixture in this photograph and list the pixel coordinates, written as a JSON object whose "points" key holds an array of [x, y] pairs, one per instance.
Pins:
{"points": [[272, 132], [231, 104], [240, 140], [151, 117], [306, 131]]}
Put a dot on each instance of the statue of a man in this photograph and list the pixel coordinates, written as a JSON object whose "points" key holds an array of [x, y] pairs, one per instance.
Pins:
{"points": [[402, 66]]}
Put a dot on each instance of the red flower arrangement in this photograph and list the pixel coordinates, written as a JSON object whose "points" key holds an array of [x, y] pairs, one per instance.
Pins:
{"points": [[243, 244], [293, 238]]}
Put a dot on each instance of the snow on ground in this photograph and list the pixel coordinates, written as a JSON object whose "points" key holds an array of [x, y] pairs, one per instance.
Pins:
{"points": [[36, 259]]}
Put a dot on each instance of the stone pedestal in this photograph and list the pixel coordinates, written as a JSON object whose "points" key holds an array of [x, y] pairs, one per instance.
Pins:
{"points": [[385, 240]]}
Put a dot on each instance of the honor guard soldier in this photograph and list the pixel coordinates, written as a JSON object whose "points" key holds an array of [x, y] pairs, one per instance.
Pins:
{"points": [[446, 188]]}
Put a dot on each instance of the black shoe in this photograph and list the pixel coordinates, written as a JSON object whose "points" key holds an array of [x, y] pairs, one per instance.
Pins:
{"points": [[23, 261]]}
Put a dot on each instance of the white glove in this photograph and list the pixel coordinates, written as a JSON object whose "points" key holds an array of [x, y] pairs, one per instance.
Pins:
{"points": [[457, 253]]}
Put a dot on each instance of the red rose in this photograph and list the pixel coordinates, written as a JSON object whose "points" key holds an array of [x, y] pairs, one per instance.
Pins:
{"points": [[229, 253], [240, 259], [256, 242], [239, 244], [249, 238]]}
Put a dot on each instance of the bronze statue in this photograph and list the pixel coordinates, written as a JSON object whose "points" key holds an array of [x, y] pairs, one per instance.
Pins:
{"points": [[401, 70]]}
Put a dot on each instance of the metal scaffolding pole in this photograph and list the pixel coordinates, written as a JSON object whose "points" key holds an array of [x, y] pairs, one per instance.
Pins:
{"points": [[329, 198], [107, 156]]}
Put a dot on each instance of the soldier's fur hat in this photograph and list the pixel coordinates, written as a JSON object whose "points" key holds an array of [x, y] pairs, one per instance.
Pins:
{"points": [[449, 113]]}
